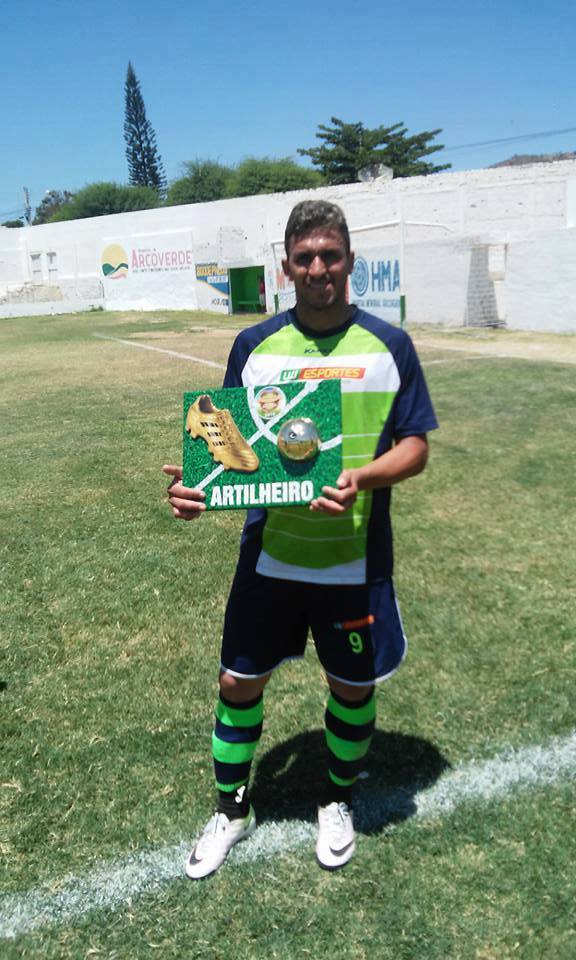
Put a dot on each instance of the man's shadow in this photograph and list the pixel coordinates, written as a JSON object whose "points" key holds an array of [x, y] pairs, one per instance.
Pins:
{"points": [[291, 777]]}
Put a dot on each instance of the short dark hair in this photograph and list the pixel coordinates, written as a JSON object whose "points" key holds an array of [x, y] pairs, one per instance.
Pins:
{"points": [[309, 214]]}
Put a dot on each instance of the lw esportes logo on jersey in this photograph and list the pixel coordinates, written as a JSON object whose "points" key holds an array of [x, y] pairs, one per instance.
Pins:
{"points": [[323, 373]]}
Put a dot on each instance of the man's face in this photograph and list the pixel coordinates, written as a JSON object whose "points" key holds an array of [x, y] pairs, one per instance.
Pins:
{"points": [[319, 265]]}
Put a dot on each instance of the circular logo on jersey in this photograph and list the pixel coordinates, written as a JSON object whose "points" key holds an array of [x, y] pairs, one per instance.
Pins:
{"points": [[270, 401], [360, 277], [114, 262]]}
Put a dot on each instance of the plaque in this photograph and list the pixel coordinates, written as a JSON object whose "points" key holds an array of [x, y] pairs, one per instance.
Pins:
{"points": [[267, 446]]}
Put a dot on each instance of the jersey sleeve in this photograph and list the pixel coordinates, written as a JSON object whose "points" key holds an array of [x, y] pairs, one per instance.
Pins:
{"points": [[414, 413], [236, 361]]}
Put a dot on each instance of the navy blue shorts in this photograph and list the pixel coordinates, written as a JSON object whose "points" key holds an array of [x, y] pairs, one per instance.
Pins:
{"points": [[357, 629]]}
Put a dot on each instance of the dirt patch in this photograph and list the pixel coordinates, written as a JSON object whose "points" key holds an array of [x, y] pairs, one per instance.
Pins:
{"points": [[548, 347], [216, 333]]}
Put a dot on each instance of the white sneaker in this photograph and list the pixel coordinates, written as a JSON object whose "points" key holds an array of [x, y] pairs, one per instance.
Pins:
{"points": [[219, 836], [336, 837]]}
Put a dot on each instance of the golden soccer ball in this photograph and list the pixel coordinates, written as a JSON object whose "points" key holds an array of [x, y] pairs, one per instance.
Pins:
{"points": [[299, 439]]}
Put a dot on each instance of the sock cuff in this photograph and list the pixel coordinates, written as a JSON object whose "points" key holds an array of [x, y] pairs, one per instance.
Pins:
{"points": [[248, 714], [358, 703], [353, 712]]}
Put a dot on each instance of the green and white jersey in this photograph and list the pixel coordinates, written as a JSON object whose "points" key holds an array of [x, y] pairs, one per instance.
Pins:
{"points": [[384, 398]]}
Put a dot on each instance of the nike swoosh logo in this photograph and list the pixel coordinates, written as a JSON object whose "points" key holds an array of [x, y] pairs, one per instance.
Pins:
{"points": [[338, 853]]}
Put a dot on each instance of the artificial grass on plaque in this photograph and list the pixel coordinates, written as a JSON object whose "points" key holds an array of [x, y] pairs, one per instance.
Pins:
{"points": [[321, 405]]}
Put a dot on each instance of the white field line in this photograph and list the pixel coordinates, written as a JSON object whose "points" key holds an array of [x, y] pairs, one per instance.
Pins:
{"points": [[171, 353], [110, 886], [485, 356], [221, 366], [425, 363]]}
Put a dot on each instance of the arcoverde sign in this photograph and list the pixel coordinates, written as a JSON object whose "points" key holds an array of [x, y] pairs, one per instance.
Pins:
{"points": [[153, 260], [166, 254]]}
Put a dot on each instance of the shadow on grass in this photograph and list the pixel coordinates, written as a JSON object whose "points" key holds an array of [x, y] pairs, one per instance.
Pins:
{"points": [[291, 777]]}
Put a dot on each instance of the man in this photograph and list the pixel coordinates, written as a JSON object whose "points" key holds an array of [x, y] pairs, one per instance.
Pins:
{"points": [[262, 293], [326, 567]]}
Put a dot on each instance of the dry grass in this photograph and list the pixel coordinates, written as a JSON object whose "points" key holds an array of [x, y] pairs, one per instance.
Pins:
{"points": [[110, 619]]}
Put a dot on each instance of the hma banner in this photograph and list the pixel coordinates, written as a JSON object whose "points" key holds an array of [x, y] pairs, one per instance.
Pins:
{"points": [[375, 281]]}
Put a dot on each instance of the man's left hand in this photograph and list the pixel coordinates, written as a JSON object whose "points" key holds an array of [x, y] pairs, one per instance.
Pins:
{"points": [[336, 500]]}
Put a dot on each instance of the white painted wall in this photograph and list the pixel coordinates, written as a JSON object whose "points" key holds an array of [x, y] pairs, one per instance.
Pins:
{"points": [[457, 225], [436, 281], [547, 266]]}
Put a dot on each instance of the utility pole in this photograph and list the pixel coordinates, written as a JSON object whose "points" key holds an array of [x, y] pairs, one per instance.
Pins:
{"points": [[27, 207]]}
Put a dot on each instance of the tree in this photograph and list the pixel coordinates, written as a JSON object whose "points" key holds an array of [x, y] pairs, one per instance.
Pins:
{"points": [[13, 223], [349, 147], [144, 161], [203, 180], [100, 199], [266, 175], [52, 202]]}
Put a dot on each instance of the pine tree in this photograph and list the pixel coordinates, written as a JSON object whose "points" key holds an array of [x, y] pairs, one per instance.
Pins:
{"points": [[144, 161]]}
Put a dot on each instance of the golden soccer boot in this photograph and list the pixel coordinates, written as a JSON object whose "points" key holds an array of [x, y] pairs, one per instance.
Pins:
{"points": [[225, 442]]}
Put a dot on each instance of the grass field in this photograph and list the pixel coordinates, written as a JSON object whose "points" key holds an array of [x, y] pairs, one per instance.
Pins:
{"points": [[110, 621]]}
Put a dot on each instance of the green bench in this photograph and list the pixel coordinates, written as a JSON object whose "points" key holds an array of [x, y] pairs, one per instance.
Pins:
{"points": [[249, 306]]}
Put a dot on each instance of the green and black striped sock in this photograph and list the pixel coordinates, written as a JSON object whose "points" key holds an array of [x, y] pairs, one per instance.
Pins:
{"points": [[237, 731], [349, 730]]}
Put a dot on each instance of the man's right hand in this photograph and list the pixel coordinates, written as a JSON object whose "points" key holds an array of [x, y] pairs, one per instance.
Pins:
{"points": [[186, 503]]}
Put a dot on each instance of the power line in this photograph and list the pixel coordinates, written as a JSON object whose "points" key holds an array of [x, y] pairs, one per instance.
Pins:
{"points": [[37, 195], [13, 213], [523, 136]]}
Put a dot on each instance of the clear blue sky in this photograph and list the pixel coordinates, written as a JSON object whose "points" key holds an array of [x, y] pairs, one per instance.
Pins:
{"points": [[226, 80]]}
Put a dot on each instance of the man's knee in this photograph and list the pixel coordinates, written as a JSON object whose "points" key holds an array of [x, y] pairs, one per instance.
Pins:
{"points": [[241, 689], [348, 691]]}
